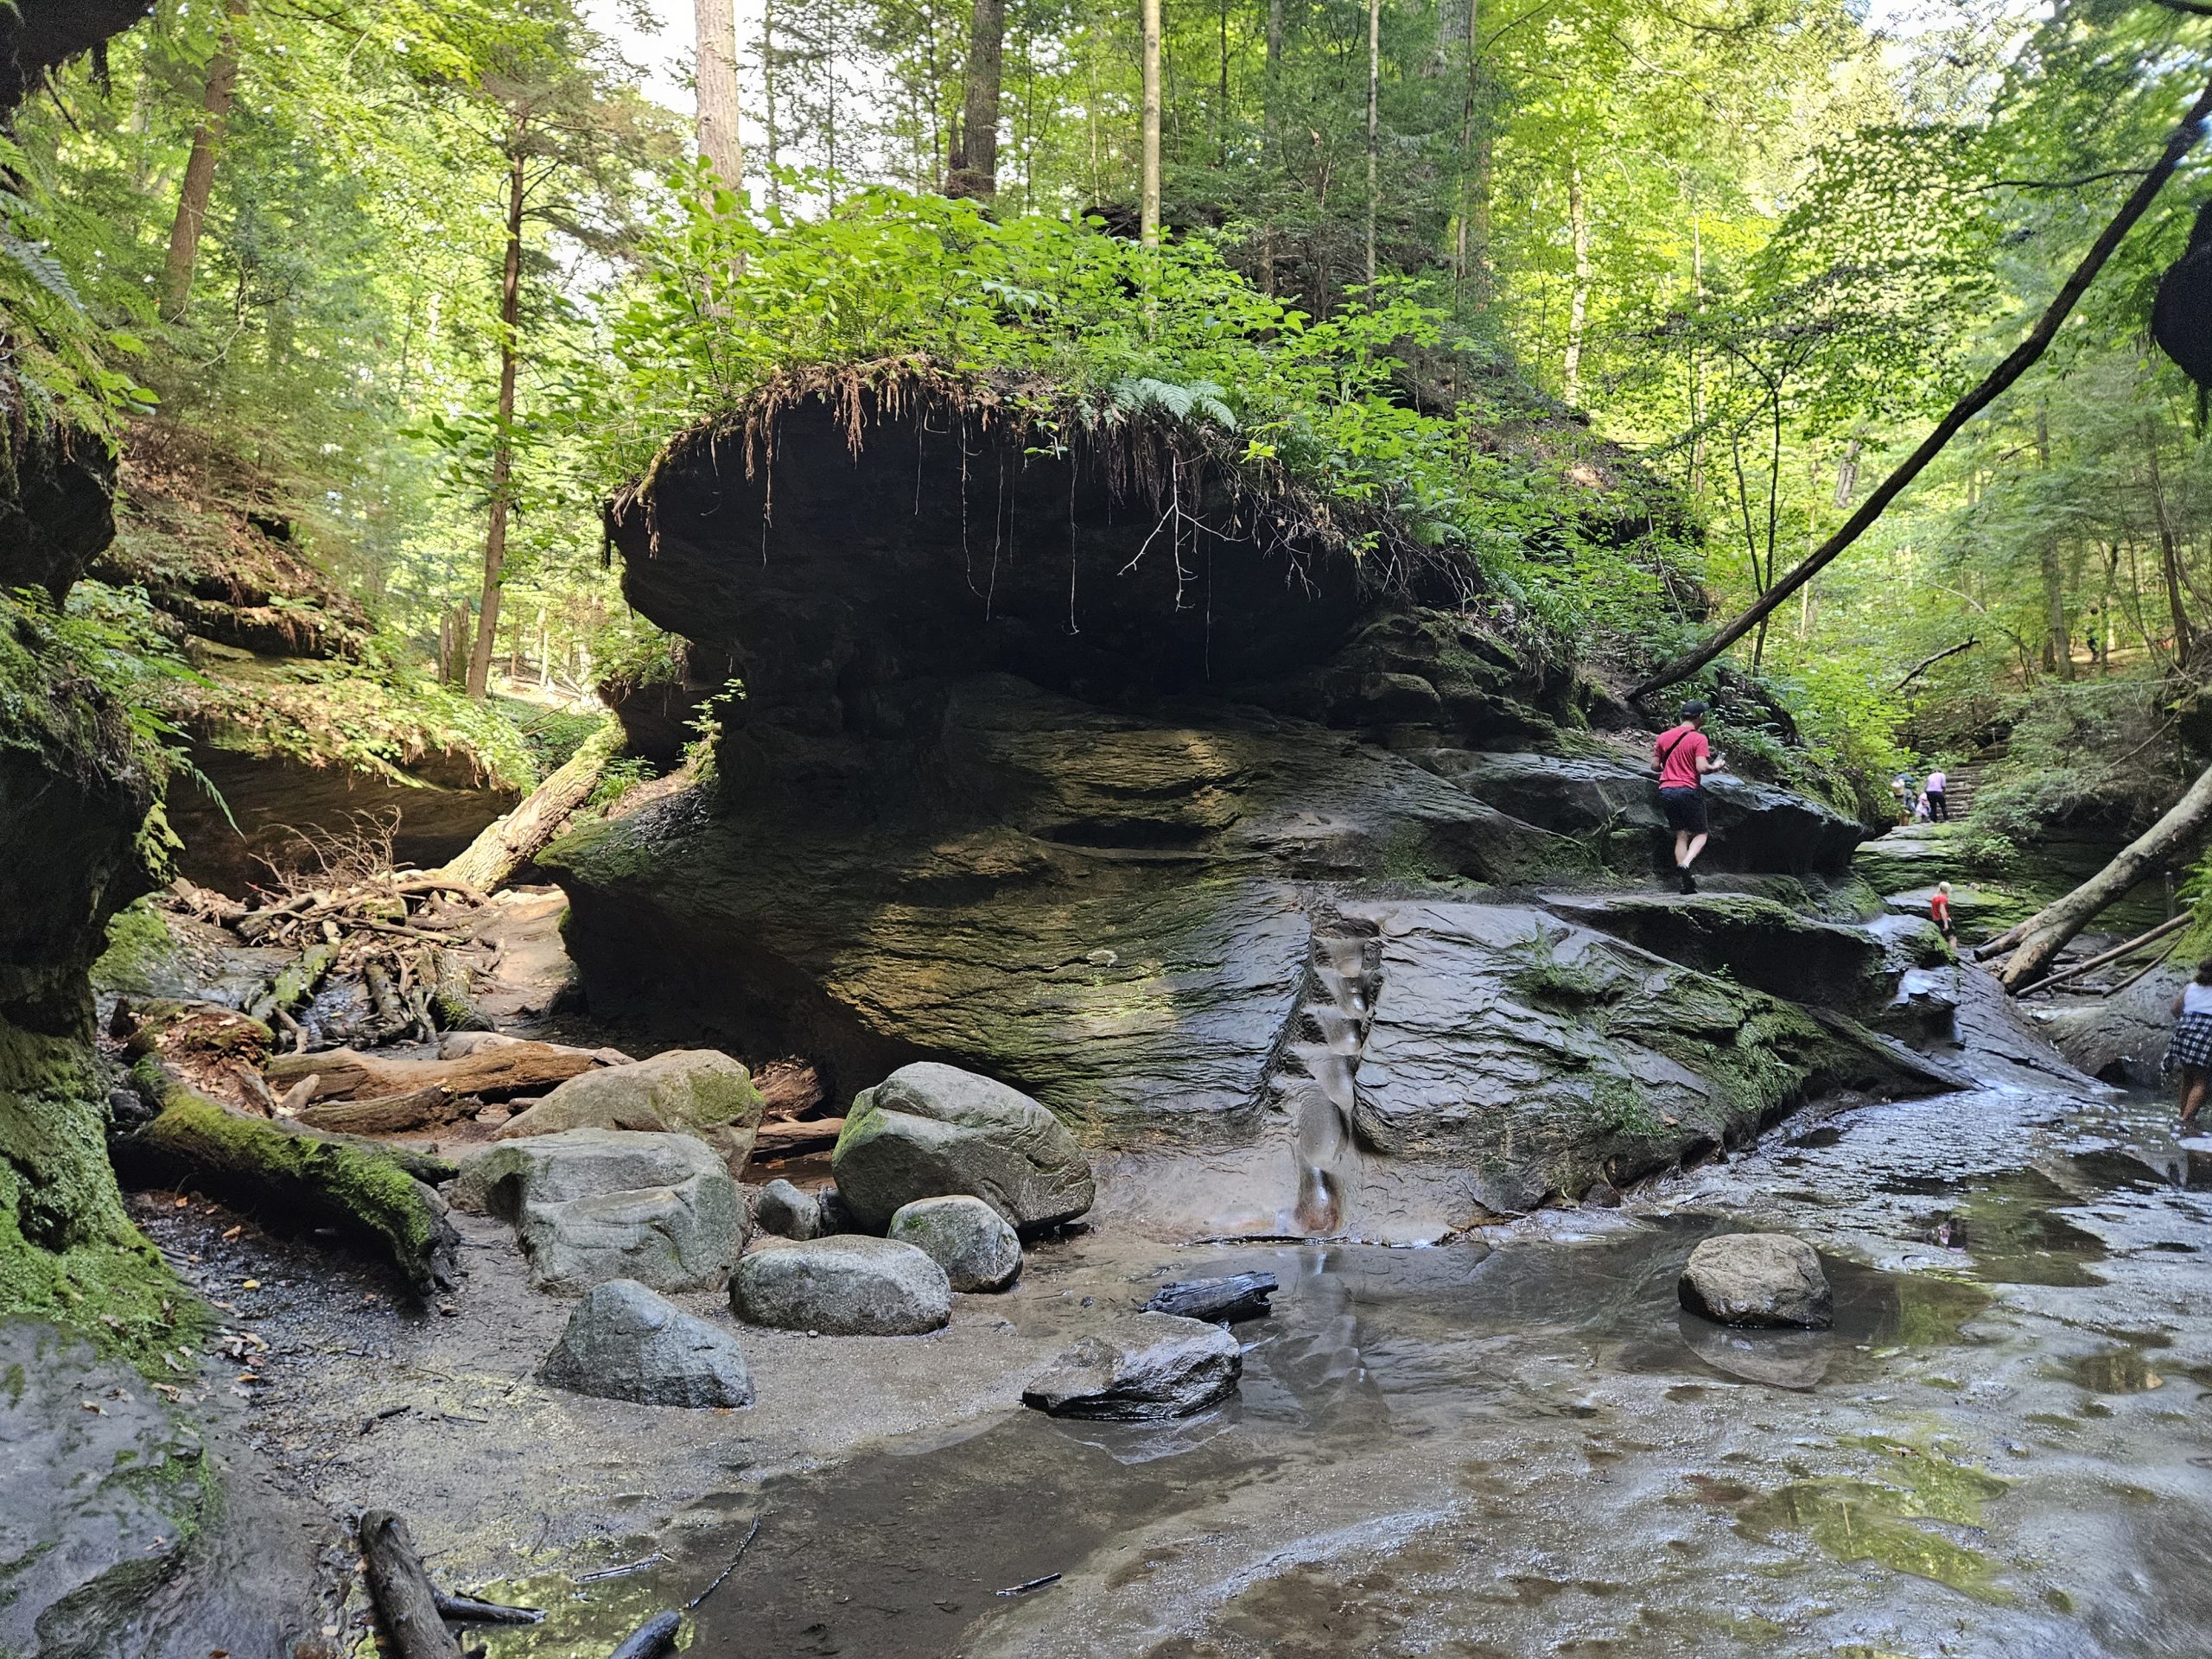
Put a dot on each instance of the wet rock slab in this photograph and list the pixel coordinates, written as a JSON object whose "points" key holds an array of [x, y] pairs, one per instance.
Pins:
{"points": [[848, 1286], [624, 1342], [1147, 1367], [1759, 1278]]}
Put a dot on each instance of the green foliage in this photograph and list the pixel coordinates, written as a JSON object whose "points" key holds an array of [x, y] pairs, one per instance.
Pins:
{"points": [[2083, 757]]}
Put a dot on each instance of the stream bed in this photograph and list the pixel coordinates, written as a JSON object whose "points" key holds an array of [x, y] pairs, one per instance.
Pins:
{"points": [[1524, 1446]]}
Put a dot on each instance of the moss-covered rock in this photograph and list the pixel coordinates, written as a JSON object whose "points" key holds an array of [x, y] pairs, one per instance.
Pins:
{"points": [[1751, 939]]}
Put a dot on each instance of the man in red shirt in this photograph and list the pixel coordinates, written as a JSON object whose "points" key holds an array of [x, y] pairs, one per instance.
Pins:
{"points": [[1684, 758]]}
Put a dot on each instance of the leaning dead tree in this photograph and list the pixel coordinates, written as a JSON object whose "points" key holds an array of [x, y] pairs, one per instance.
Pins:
{"points": [[2182, 140], [2039, 939], [507, 845]]}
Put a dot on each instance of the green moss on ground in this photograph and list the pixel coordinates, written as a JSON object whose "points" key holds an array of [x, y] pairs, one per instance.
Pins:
{"points": [[68, 1252]]}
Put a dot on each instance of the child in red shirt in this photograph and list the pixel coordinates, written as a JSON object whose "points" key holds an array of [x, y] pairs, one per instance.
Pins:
{"points": [[1939, 908]]}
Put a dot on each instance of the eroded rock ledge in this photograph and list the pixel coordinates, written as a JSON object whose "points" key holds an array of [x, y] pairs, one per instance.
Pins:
{"points": [[1229, 856]]}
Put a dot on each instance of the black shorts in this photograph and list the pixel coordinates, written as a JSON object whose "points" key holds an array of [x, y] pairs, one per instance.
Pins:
{"points": [[1685, 811]]}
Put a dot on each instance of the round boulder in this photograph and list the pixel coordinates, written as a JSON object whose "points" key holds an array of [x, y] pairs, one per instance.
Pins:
{"points": [[782, 1211], [685, 1091], [626, 1343], [965, 1236], [930, 1130], [849, 1286], [1761, 1279]]}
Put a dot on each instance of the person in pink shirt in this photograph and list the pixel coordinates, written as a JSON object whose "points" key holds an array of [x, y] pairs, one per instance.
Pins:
{"points": [[1684, 758], [1939, 809]]}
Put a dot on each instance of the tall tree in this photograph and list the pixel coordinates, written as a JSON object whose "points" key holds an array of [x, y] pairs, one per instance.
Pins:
{"points": [[1148, 208], [1374, 123], [714, 75], [217, 94], [975, 168]]}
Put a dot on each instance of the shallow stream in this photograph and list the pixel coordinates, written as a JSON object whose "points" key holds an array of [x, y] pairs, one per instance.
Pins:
{"points": [[1525, 1447]]}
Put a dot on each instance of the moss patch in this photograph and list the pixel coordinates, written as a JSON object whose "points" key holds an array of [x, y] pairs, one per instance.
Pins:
{"points": [[68, 1252]]}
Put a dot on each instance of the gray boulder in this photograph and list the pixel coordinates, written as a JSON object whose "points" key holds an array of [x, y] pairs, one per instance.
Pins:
{"points": [[965, 1236], [589, 1205], [624, 1342], [1146, 1367], [849, 1286], [782, 1211], [1757, 1278], [2122, 1039], [930, 1130], [685, 1091]]}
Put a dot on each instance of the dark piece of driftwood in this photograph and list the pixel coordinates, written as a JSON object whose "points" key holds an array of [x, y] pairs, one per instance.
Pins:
{"points": [[472, 1610], [407, 1605], [655, 1637], [1239, 1296]]}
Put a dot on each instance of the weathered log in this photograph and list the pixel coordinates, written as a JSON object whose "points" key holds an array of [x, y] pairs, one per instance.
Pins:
{"points": [[472, 1610], [494, 1073], [295, 983], [293, 1175], [1239, 1296], [655, 1637], [297, 1096], [423, 1109], [2171, 925], [406, 1603], [2044, 934], [781, 1138], [206, 1027], [389, 1015], [449, 1000], [515, 839]]}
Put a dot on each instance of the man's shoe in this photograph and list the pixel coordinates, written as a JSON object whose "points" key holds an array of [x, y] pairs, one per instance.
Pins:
{"points": [[1689, 882]]}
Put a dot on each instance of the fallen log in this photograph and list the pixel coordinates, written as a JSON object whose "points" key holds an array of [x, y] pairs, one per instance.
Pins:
{"points": [[424, 1109], [472, 1610], [294, 984], [781, 1138], [514, 840], [296, 1176], [655, 1637], [406, 1603], [449, 1000], [491, 1073], [1223, 1301], [2171, 925], [2043, 935], [389, 1016], [2144, 971]]}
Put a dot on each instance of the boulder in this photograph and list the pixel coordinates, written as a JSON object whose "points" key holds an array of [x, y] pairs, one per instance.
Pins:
{"points": [[1755, 940], [1146, 1367], [685, 1091], [782, 1211], [845, 1287], [965, 1236], [590, 1205], [2122, 1039], [930, 1130], [624, 1342], [1759, 1278]]}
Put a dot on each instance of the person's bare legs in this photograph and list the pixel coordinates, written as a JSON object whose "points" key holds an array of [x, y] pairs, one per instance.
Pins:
{"points": [[1687, 847], [2192, 1094]]}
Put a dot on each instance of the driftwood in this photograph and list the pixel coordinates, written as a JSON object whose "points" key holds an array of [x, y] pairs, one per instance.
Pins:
{"points": [[782, 1138], [2043, 935], [1239, 1296], [655, 1637], [2172, 925], [449, 1000], [296, 1176], [491, 1073], [511, 842], [472, 1610], [406, 1603], [423, 1109]]}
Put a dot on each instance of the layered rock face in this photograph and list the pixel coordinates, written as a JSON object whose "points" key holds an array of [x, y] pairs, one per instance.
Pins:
{"points": [[1240, 869]]}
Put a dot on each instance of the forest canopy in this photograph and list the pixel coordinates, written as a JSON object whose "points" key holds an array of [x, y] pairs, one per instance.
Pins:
{"points": [[442, 278]]}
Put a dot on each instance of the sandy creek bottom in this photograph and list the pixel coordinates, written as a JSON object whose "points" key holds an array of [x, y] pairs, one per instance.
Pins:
{"points": [[1525, 1447]]}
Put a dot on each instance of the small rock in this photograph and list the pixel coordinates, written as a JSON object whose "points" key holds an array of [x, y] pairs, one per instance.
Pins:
{"points": [[624, 1342], [848, 1286], [1146, 1367], [785, 1211], [1757, 1278], [965, 1236], [1602, 1195]]}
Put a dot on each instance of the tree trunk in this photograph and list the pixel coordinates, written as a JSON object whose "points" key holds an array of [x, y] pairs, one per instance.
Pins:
{"points": [[2042, 936], [2178, 145], [1470, 242], [1374, 122], [507, 845], [715, 77], [200, 169], [768, 98], [503, 448], [975, 170], [498, 1072], [406, 1604], [1148, 206], [2169, 552], [1578, 300], [1271, 116]]}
